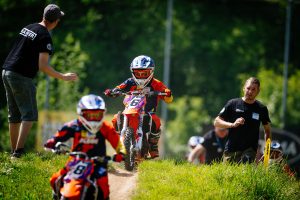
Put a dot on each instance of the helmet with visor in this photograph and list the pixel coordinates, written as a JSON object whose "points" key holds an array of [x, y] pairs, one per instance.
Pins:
{"points": [[142, 70], [91, 110]]}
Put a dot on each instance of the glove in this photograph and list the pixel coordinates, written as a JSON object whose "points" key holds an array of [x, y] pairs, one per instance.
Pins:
{"points": [[112, 93], [107, 92], [50, 144], [169, 93], [118, 157]]}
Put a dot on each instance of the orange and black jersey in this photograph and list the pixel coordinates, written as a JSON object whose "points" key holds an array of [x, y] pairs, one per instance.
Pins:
{"points": [[84, 141], [154, 85]]}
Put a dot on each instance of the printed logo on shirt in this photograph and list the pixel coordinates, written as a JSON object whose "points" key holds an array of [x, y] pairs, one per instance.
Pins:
{"points": [[255, 116], [238, 110], [84, 133], [223, 109], [49, 47], [28, 33], [89, 140]]}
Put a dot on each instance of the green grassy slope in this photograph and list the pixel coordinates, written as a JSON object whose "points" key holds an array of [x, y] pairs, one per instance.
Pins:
{"points": [[28, 177], [170, 180]]}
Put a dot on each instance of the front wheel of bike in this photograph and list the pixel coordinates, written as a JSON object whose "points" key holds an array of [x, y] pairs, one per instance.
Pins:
{"points": [[129, 143], [145, 147]]}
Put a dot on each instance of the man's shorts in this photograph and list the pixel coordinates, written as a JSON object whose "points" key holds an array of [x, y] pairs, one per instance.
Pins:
{"points": [[21, 97], [246, 156]]}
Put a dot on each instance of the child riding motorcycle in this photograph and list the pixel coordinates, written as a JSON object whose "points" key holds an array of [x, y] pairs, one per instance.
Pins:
{"points": [[142, 70], [89, 133]]}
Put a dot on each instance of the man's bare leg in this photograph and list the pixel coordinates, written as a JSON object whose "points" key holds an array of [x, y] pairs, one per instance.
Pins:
{"points": [[24, 132], [14, 134]]}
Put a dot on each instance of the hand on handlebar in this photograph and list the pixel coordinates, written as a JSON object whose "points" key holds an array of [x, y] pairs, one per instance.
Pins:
{"points": [[56, 147], [168, 93], [50, 144], [165, 93], [117, 92], [112, 92], [107, 92], [119, 157]]}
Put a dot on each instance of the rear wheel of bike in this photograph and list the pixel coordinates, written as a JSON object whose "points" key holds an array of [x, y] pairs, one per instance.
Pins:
{"points": [[129, 143]]}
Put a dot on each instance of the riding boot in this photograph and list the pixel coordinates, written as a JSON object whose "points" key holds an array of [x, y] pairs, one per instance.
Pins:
{"points": [[153, 144]]}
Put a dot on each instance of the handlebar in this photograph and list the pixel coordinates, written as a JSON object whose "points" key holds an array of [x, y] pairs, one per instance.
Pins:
{"points": [[59, 148], [62, 148], [83, 155], [138, 92]]}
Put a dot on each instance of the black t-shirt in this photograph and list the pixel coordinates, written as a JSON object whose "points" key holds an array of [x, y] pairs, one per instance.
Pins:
{"points": [[247, 135], [24, 56], [214, 147]]}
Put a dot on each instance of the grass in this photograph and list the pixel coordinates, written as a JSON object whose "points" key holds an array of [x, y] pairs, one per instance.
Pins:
{"points": [[169, 179], [28, 178]]}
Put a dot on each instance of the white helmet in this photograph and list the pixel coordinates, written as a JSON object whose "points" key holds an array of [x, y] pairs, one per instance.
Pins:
{"points": [[194, 141], [91, 110], [142, 70]]}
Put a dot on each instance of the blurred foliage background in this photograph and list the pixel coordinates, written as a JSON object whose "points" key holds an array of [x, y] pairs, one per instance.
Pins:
{"points": [[216, 45]]}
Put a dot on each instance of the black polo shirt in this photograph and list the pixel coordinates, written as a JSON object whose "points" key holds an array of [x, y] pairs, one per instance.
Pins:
{"points": [[214, 147], [24, 55], [247, 135]]}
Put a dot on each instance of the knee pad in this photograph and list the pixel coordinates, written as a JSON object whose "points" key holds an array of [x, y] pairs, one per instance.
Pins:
{"points": [[116, 121]]}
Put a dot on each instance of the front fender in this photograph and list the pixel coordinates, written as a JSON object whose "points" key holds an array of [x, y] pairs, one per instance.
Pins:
{"points": [[72, 189]]}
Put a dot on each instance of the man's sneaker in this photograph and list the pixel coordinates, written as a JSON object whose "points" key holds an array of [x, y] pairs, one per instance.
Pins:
{"points": [[17, 153]]}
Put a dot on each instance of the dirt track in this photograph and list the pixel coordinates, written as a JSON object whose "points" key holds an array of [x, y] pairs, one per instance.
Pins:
{"points": [[122, 184]]}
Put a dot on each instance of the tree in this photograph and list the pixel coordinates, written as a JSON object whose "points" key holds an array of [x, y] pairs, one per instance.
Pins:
{"points": [[65, 95], [190, 118]]}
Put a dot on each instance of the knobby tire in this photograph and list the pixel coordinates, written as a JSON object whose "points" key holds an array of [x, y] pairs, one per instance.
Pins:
{"points": [[129, 143]]}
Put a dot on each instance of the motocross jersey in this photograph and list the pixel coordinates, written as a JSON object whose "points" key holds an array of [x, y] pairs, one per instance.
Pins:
{"points": [[84, 141], [153, 85]]}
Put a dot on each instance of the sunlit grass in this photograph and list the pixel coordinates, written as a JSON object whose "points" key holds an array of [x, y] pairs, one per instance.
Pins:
{"points": [[28, 177], [171, 180]]}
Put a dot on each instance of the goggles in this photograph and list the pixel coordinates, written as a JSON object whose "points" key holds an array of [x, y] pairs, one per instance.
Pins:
{"points": [[141, 73], [93, 115]]}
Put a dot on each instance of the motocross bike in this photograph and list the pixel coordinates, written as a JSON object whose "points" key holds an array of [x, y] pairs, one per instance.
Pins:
{"points": [[78, 182], [134, 125]]}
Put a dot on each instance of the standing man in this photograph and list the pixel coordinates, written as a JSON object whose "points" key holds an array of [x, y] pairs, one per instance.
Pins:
{"points": [[212, 147], [243, 116], [29, 54]]}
